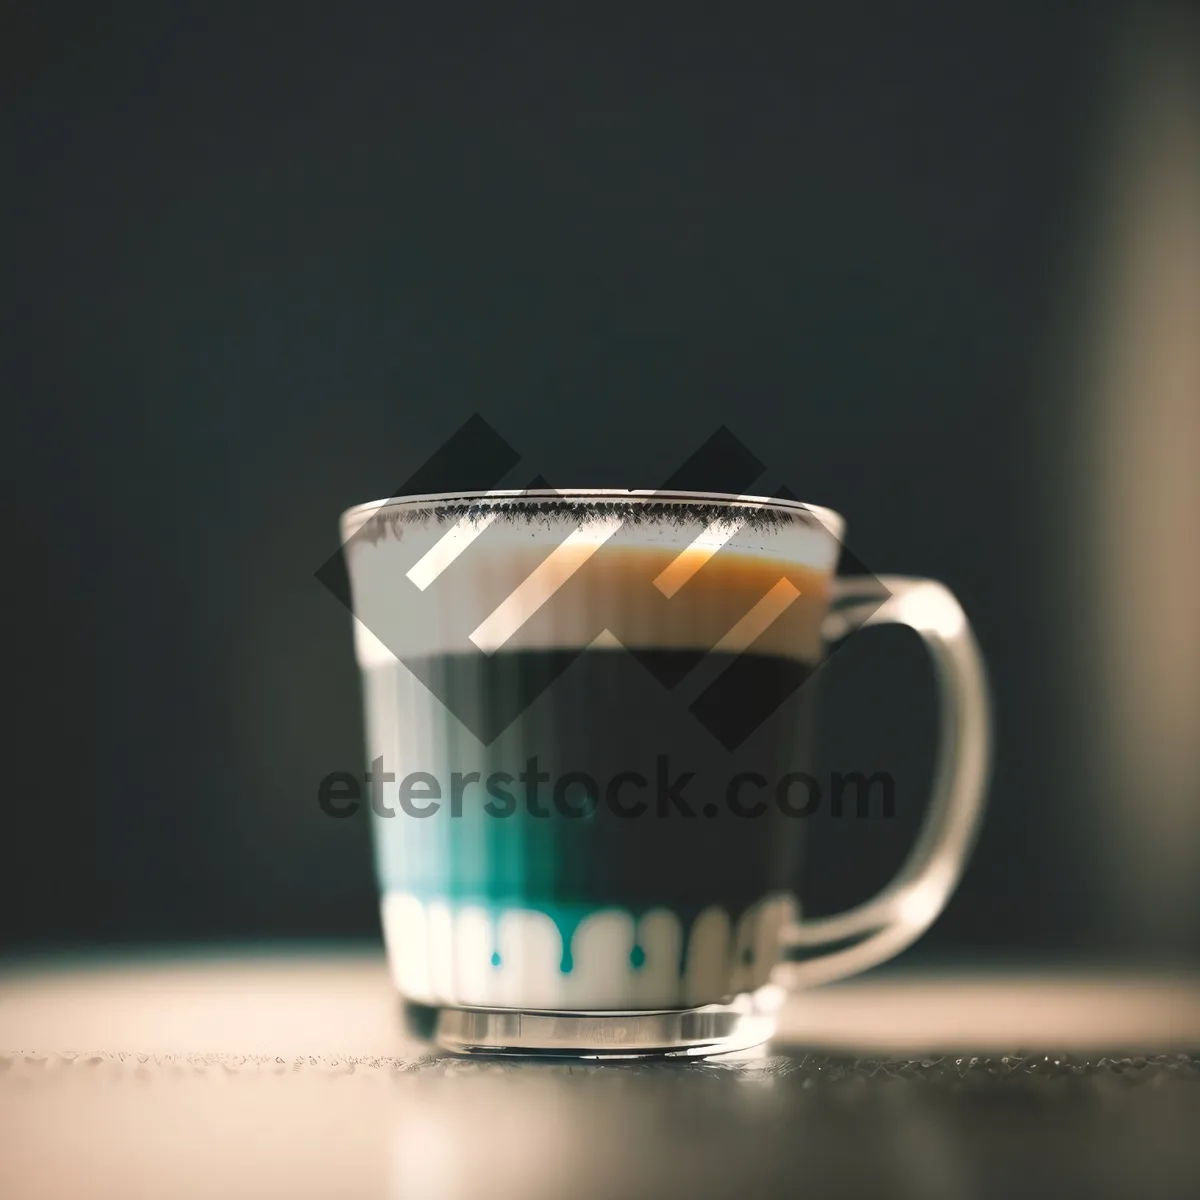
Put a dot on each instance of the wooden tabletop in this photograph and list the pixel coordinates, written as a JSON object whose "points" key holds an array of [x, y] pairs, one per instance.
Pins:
{"points": [[292, 1075]]}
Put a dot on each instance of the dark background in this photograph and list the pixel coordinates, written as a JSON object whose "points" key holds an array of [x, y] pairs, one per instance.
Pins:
{"points": [[264, 260]]}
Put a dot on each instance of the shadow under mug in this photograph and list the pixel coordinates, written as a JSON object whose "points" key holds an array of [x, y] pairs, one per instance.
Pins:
{"points": [[588, 717]]}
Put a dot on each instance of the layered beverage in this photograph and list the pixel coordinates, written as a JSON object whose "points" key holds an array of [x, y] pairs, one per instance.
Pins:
{"points": [[581, 716]]}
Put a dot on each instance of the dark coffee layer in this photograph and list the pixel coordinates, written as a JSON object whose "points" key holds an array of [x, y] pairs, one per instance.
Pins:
{"points": [[629, 800]]}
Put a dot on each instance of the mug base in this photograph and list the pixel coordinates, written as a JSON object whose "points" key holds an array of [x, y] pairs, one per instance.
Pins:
{"points": [[746, 1021]]}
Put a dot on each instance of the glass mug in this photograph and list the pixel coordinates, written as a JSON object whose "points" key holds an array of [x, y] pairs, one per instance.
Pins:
{"points": [[588, 716]]}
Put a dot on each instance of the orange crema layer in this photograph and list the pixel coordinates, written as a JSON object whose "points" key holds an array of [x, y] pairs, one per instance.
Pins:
{"points": [[584, 594]]}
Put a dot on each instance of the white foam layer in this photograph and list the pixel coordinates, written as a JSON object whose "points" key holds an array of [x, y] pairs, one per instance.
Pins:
{"points": [[443, 953], [495, 585]]}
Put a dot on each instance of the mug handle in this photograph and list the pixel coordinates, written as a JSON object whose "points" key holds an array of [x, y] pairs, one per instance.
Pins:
{"points": [[899, 914]]}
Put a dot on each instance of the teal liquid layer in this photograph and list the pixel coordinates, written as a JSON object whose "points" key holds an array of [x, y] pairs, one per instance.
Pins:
{"points": [[504, 841]]}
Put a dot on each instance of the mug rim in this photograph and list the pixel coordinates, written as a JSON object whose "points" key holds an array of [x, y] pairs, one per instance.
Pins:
{"points": [[833, 522]]}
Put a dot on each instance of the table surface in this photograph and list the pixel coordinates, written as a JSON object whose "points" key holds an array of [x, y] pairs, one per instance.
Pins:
{"points": [[292, 1075]]}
